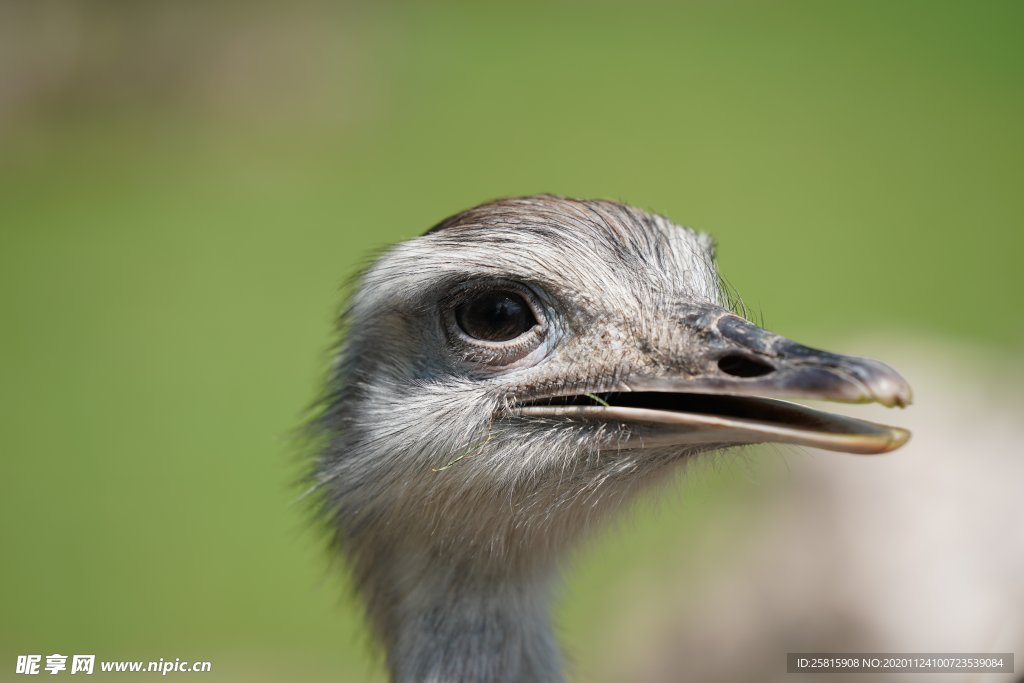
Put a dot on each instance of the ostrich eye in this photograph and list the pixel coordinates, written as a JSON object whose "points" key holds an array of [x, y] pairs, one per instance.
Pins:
{"points": [[495, 316]]}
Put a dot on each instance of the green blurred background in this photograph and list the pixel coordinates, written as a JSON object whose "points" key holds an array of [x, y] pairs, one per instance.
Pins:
{"points": [[184, 186]]}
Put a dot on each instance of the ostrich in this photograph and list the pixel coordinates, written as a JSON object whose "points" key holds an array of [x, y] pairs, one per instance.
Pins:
{"points": [[511, 378]]}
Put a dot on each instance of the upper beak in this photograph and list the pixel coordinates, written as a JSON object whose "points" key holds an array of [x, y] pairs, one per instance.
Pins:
{"points": [[738, 357], [716, 392]]}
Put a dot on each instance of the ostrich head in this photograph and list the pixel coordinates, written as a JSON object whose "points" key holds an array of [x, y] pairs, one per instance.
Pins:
{"points": [[508, 380]]}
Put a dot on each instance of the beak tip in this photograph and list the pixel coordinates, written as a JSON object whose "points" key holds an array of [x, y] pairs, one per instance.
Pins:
{"points": [[893, 439], [899, 438], [901, 400], [889, 388]]}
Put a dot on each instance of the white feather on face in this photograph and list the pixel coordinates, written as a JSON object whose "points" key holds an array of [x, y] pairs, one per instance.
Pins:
{"points": [[599, 276], [445, 491]]}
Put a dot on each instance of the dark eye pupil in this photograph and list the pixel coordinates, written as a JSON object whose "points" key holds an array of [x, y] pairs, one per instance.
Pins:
{"points": [[495, 316]]}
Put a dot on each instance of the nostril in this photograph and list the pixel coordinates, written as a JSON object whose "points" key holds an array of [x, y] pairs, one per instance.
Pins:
{"points": [[741, 366]]}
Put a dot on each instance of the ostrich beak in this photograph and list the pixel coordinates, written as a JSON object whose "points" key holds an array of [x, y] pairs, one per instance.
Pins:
{"points": [[720, 391]]}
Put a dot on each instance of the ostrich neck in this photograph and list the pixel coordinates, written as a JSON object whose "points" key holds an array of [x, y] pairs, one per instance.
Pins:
{"points": [[446, 626]]}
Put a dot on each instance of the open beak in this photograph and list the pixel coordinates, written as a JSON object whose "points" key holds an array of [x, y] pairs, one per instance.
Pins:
{"points": [[719, 392]]}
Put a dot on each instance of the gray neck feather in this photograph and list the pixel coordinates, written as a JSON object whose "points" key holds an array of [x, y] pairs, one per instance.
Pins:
{"points": [[446, 631]]}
